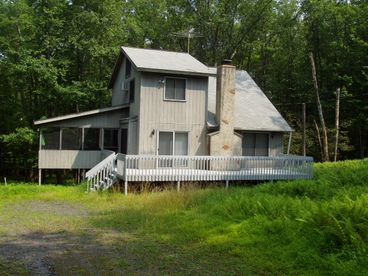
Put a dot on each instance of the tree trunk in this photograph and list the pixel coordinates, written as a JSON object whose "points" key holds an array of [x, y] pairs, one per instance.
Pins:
{"points": [[337, 122], [304, 129], [320, 112], [319, 138]]}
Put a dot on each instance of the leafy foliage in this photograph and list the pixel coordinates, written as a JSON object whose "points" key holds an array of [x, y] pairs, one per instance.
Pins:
{"points": [[56, 57]]}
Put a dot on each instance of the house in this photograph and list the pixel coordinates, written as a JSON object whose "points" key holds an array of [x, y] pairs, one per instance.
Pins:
{"points": [[166, 104]]}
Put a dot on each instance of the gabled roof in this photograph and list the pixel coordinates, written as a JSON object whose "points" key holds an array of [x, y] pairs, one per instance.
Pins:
{"points": [[80, 114], [253, 110], [149, 60]]}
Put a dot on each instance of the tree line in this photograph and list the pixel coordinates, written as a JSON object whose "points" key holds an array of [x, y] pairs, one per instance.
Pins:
{"points": [[56, 57]]}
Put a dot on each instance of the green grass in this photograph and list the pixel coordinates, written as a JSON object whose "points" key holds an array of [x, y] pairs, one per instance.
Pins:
{"points": [[294, 227]]}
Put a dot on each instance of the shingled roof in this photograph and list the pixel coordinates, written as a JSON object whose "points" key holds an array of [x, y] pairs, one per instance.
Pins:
{"points": [[150, 60], [253, 110]]}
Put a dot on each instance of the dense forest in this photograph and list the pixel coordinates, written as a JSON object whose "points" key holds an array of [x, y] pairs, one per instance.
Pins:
{"points": [[56, 57]]}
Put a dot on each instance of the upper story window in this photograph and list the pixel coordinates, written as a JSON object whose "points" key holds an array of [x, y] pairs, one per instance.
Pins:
{"points": [[131, 91], [175, 89], [128, 68]]}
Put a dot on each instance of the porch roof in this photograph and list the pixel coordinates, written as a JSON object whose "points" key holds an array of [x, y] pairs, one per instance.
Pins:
{"points": [[80, 114]]}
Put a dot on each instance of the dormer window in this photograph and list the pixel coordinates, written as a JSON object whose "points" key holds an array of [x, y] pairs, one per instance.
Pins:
{"points": [[175, 89], [128, 68]]}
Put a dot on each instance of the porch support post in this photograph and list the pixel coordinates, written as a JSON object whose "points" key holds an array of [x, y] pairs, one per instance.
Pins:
{"points": [[39, 176], [227, 184], [178, 185]]}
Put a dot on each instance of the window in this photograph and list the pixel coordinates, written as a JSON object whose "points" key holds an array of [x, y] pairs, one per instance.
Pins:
{"points": [[131, 91], [165, 143], [128, 68], [71, 138], [175, 89], [91, 139], [111, 139], [181, 143], [173, 143], [50, 138], [255, 144]]}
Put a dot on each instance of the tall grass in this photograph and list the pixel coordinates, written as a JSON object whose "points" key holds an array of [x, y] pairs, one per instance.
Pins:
{"points": [[288, 227]]}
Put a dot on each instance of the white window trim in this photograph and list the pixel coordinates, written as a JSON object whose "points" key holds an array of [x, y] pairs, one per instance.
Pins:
{"points": [[185, 90], [173, 144]]}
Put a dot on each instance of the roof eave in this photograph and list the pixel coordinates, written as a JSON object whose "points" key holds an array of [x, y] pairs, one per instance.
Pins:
{"points": [[77, 115], [176, 72], [265, 129]]}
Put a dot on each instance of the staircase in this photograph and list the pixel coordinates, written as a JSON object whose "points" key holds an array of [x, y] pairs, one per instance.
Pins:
{"points": [[103, 175]]}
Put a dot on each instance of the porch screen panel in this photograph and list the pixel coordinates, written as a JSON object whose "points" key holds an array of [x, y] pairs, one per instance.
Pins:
{"points": [[50, 138], [181, 143], [71, 139], [165, 144], [261, 148], [91, 139], [111, 139]]}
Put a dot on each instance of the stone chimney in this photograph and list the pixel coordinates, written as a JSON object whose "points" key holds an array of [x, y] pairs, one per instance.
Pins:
{"points": [[225, 96], [225, 141]]}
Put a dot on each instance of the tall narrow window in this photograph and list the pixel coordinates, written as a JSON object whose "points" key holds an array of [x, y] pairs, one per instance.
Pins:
{"points": [[165, 143], [50, 138], [111, 139], [175, 89], [131, 91], [181, 143], [91, 139], [128, 68], [71, 139]]}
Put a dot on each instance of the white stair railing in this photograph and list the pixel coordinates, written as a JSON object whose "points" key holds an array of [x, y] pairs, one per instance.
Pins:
{"points": [[103, 175]]}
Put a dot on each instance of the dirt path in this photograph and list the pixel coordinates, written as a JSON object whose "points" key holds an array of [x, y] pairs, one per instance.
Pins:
{"points": [[55, 248]]}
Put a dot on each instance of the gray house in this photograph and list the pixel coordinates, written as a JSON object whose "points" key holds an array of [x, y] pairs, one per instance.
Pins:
{"points": [[166, 104]]}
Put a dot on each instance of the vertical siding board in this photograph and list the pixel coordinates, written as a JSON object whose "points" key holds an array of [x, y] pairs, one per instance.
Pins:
{"points": [[157, 114]]}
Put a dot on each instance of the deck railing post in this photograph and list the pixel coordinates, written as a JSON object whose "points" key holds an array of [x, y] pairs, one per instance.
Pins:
{"points": [[125, 175]]}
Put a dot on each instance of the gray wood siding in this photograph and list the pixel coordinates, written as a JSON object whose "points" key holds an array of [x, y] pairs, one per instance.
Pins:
{"points": [[276, 143], [156, 114], [133, 137], [119, 96], [68, 159], [103, 120]]}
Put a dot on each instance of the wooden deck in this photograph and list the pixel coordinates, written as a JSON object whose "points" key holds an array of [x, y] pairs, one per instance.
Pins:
{"points": [[212, 168], [154, 168]]}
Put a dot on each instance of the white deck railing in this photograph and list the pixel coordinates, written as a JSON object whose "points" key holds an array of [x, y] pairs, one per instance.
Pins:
{"points": [[212, 168], [102, 175]]}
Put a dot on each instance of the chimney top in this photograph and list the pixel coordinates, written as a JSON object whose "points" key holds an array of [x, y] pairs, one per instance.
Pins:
{"points": [[226, 62]]}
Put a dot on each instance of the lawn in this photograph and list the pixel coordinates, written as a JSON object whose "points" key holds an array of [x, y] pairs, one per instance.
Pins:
{"points": [[293, 227]]}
